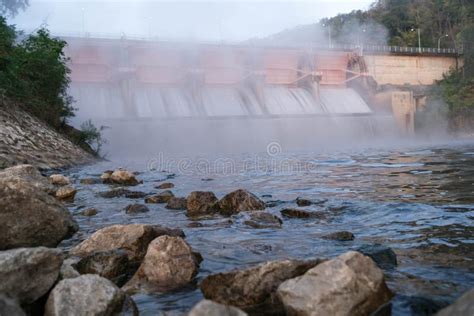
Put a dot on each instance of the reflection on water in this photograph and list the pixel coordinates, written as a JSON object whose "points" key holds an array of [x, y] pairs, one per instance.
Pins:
{"points": [[419, 202]]}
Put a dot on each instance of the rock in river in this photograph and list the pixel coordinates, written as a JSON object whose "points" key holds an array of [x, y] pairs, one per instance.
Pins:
{"points": [[210, 308], [350, 284], [161, 197], [59, 179], [297, 213], [177, 203], [136, 208], [253, 289], [123, 177], [383, 256], [239, 201], [29, 217], [263, 220], [92, 211], [113, 265], [201, 203], [165, 185], [169, 263], [464, 306], [28, 273], [66, 193], [340, 236], [133, 238], [88, 294]]}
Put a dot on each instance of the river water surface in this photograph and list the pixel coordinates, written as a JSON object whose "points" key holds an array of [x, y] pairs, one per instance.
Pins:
{"points": [[417, 200]]}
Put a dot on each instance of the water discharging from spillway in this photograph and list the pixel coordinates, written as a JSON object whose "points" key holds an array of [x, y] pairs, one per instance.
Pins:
{"points": [[146, 118]]}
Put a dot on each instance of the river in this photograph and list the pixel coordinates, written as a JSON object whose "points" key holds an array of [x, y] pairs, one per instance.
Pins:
{"points": [[418, 200]]}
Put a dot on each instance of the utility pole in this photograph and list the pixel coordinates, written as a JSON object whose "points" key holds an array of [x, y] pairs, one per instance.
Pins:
{"points": [[439, 41], [419, 38]]}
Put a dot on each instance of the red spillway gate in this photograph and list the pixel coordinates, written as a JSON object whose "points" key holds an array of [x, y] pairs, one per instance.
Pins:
{"points": [[167, 63]]}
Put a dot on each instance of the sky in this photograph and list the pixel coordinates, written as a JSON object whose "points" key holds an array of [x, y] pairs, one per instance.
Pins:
{"points": [[223, 20]]}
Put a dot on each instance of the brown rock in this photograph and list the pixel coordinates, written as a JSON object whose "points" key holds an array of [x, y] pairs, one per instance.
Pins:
{"points": [[169, 263], [29, 174], [161, 197], [106, 177], [29, 217], [303, 202], [350, 284], [165, 185], [89, 181], [89, 212], [253, 289], [238, 201], [59, 179], [136, 208], [263, 220], [133, 238], [66, 193], [123, 177], [201, 203], [297, 213], [177, 203], [341, 236]]}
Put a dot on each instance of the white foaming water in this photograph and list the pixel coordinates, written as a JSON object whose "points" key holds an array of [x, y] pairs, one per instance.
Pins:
{"points": [[146, 119]]}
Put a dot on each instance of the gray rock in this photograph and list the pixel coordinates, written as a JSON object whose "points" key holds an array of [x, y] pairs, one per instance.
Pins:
{"points": [[350, 284], [464, 306], [88, 295], [169, 263], [165, 185], [136, 208], [253, 289], [68, 269], [297, 213], [162, 197], [10, 307], [210, 308], [340, 236], [29, 273], [29, 217], [383, 256], [239, 201], [177, 203], [113, 265], [201, 203], [89, 212], [133, 238], [263, 220]]}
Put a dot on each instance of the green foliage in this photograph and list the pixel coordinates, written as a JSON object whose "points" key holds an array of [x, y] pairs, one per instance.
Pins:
{"points": [[92, 136], [12, 7], [34, 74]]}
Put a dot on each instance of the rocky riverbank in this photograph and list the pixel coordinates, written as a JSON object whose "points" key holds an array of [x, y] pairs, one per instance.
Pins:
{"points": [[25, 139], [101, 274]]}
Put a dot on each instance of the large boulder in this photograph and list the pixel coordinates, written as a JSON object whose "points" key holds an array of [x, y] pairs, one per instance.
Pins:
{"points": [[210, 308], [88, 294], [10, 307], [239, 201], [253, 289], [29, 174], [123, 177], [169, 263], [29, 217], [350, 284], [201, 203], [464, 306], [133, 238], [28, 273]]}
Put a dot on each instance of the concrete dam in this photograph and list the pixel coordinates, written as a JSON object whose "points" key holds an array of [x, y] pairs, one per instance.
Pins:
{"points": [[220, 97]]}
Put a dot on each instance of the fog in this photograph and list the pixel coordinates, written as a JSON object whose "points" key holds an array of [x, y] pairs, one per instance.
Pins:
{"points": [[158, 93]]}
